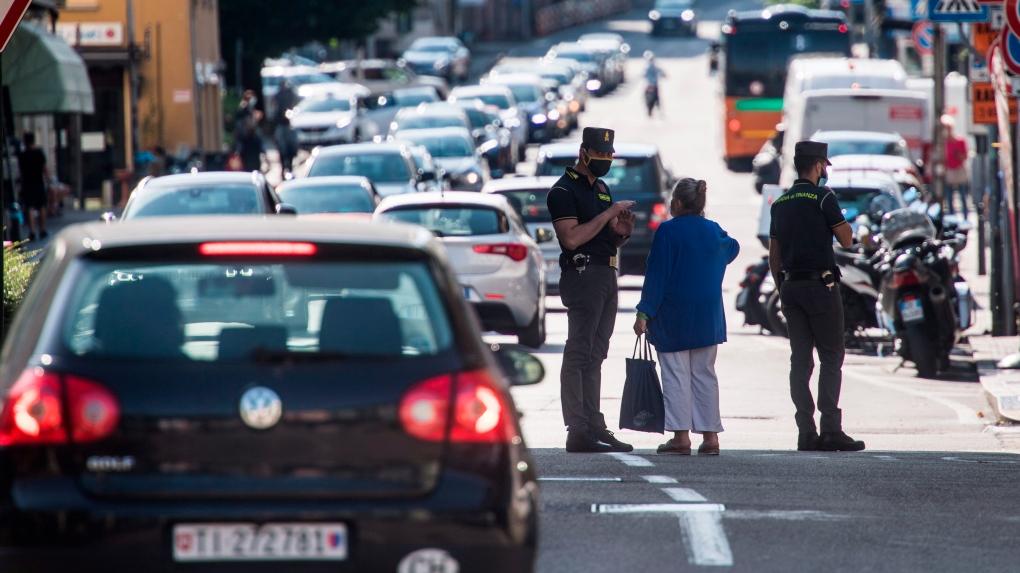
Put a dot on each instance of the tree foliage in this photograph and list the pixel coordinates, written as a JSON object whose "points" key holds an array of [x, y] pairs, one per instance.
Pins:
{"points": [[18, 272], [271, 27]]}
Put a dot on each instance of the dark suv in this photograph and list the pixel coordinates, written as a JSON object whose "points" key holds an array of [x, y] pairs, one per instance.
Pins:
{"points": [[244, 394], [637, 174]]}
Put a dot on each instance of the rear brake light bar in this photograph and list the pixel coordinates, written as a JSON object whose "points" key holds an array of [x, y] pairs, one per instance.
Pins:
{"points": [[258, 248]]}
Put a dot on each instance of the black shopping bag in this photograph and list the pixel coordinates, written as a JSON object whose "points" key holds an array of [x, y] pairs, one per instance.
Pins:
{"points": [[642, 408]]}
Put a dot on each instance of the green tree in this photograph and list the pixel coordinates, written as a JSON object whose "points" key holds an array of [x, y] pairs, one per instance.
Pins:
{"points": [[270, 27], [18, 272]]}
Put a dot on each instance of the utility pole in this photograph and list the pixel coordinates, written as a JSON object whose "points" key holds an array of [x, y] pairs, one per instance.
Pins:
{"points": [[869, 21], [133, 96], [938, 145]]}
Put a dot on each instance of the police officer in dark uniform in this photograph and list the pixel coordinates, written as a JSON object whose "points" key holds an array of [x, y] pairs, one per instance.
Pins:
{"points": [[590, 228], [804, 221]]}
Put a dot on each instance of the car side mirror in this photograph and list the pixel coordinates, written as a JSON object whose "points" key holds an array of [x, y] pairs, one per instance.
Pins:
{"points": [[108, 217], [521, 368], [543, 235], [286, 209]]}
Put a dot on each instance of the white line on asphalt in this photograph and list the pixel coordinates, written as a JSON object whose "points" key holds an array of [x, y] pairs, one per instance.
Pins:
{"points": [[683, 494], [655, 507], [578, 479], [886, 458], [965, 414], [705, 539], [787, 515], [659, 479], [632, 460]]}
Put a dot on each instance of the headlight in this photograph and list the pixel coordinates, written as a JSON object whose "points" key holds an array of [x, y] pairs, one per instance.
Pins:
{"points": [[574, 106], [440, 64], [488, 146], [343, 123], [593, 85], [687, 15], [554, 115], [471, 178], [654, 15], [538, 118]]}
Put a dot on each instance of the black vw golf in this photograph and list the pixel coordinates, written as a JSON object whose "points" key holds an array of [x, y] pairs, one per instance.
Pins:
{"points": [[238, 394]]}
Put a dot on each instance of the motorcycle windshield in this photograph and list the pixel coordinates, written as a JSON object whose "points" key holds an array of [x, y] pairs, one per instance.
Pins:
{"points": [[903, 224]]}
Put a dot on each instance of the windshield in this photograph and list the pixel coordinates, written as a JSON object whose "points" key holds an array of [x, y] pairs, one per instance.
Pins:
{"points": [[872, 202], [311, 79], [630, 175], [453, 146], [903, 225], [430, 47], [844, 147], [453, 220], [429, 122], [248, 310], [210, 199], [498, 100], [671, 5], [531, 204], [379, 168], [525, 92], [324, 105], [763, 55], [477, 117], [323, 199], [583, 57], [407, 98]]}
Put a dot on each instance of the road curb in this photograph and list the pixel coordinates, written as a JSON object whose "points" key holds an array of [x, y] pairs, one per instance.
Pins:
{"points": [[1001, 387]]}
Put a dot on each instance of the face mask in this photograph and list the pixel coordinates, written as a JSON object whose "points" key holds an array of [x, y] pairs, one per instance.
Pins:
{"points": [[253, 101], [824, 178], [597, 167]]}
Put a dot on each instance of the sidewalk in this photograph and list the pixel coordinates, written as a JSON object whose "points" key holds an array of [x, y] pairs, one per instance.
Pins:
{"points": [[56, 224]]}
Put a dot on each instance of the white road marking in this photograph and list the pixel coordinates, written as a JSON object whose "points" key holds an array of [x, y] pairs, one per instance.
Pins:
{"points": [[579, 479], [965, 414], [705, 539], [604, 508], [683, 494], [886, 458], [786, 515], [659, 479], [632, 460]]}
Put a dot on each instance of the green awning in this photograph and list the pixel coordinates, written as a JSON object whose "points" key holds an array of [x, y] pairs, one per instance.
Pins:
{"points": [[44, 74]]}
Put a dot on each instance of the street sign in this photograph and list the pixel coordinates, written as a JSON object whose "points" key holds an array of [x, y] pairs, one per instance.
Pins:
{"points": [[924, 37], [977, 70], [957, 11], [918, 10], [1012, 10], [11, 12], [1011, 51], [982, 98]]}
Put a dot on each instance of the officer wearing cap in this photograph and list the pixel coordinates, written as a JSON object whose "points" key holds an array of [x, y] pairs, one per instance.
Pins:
{"points": [[804, 221], [590, 228]]}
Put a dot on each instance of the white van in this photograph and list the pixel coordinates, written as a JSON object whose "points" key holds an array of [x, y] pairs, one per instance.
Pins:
{"points": [[883, 110], [807, 74]]}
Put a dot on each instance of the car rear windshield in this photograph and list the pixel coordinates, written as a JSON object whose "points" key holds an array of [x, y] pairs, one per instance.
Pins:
{"points": [[194, 200], [582, 57], [530, 203], [858, 201], [451, 220], [525, 92], [430, 122], [498, 100], [324, 105], [378, 167], [453, 146], [251, 311], [867, 148], [626, 175], [411, 98], [332, 199]]}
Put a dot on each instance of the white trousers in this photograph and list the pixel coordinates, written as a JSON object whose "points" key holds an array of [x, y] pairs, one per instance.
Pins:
{"points": [[690, 390]]}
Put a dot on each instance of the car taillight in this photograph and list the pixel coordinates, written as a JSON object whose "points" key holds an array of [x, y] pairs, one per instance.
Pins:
{"points": [[515, 251], [904, 279], [843, 29], [659, 216], [480, 414], [36, 411]]}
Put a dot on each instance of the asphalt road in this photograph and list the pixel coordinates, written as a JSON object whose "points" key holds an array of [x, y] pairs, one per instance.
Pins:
{"points": [[935, 490]]}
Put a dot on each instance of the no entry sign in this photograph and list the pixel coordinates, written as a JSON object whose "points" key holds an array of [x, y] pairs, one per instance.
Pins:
{"points": [[924, 37], [11, 12]]}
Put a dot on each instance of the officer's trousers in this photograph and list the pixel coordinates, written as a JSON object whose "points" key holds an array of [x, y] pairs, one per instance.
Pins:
{"points": [[590, 298], [814, 316]]}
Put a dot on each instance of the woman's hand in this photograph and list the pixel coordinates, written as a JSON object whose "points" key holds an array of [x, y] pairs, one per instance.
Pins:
{"points": [[640, 326]]}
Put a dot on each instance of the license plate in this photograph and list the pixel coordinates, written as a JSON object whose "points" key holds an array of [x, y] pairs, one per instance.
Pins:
{"points": [[911, 310], [251, 542]]}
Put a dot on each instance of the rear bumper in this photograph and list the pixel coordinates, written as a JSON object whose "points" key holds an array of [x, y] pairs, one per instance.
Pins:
{"points": [[461, 517], [519, 291]]}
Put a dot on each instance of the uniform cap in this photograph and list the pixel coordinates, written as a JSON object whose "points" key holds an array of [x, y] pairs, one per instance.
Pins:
{"points": [[812, 149], [598, 138]]}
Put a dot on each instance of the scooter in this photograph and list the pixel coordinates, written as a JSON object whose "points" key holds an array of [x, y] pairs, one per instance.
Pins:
{"points": [[651, 97], [924, 302], [752, 300]]}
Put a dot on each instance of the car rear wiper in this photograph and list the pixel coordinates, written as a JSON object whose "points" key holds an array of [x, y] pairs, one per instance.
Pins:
{"points": [[264, 356]]}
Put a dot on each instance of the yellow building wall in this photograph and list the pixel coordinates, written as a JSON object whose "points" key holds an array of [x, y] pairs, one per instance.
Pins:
{"points": [[175, 109]]}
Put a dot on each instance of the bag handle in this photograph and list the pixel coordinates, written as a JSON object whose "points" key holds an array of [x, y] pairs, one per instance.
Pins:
{"points": [[645, 352]]}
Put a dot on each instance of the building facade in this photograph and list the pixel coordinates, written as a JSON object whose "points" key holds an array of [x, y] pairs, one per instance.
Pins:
{"points": [[156, 73]]}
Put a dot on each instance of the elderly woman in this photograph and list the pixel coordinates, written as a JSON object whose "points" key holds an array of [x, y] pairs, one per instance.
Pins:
{"points": [[681, 311]]}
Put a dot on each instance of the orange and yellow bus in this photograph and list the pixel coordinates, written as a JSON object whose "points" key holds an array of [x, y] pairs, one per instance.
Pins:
{"points": [[757, 48]]}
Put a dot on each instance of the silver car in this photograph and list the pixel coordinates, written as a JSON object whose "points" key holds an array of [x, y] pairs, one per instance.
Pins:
{"points": [[389, 166], [510, 113], [453, 149], [527, 196], [329, 118], [498, 265]]}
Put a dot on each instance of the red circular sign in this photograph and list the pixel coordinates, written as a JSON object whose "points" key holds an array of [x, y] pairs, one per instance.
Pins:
{"points": [[1012, 9]]}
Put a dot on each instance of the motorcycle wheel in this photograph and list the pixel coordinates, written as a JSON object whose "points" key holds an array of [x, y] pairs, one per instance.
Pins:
{"points": [[922, 351], [774, 312]]}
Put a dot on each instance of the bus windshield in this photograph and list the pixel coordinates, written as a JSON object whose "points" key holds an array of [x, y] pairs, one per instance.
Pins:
{"points": [[757, 59]]}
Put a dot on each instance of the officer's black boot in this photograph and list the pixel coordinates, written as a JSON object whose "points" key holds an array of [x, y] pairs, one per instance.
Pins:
{"points": [[839, 442], [807, 442], [582, 441], [606, 437]]}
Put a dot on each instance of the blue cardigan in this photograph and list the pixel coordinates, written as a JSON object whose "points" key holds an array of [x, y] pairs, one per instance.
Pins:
{"points": [[682, 294]]}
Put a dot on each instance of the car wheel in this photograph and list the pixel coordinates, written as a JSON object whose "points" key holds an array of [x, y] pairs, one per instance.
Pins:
{"points": [[922, 351], [533, 335]]}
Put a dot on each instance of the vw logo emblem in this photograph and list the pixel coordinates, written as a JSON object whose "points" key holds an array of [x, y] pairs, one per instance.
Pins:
{"points": [[261, 408]]}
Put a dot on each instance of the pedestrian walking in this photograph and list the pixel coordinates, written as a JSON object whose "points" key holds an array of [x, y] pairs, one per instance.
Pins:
{"points": [[957, 173], [250, 147], [804, 221], [285, 100], [681, 311], [34, 175], [245, 114], [590, 228], [652, 75], [287, 144]]}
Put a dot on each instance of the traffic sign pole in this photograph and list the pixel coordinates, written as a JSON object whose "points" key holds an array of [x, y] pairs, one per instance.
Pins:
{"points": [[937, 143]]}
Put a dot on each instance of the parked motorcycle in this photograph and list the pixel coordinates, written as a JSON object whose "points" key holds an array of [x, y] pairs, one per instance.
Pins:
{"points": [[924, 302], [752, 299]]}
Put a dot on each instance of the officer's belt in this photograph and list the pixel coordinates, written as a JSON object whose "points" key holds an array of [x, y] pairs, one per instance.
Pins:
{"points": [[567, 262], [805, 275]]}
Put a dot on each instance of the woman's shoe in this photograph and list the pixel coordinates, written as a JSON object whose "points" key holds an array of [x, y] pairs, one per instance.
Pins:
{"points": [[669, 448], [704, 450]]}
